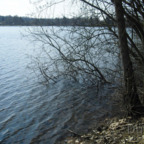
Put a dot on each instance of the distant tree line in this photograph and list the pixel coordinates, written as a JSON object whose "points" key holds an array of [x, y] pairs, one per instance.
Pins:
{"points": [[26, 21]]}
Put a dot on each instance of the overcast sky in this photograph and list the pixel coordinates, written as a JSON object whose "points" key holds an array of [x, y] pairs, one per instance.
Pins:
{"points": [[26, 8], [15, 7]]}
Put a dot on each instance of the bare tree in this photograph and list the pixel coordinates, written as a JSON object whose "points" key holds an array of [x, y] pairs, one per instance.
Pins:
{"points": [[131, 96], [78, 53], [91, 54]]}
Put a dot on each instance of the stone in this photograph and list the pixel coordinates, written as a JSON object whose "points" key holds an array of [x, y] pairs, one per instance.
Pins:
{"points": [[76, 141]]}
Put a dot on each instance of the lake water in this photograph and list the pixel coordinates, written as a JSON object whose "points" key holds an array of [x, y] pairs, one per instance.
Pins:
{"points": [[34, 113]]}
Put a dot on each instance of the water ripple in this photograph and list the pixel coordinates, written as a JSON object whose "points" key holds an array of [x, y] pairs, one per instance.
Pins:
{"points": [[33, 113]]}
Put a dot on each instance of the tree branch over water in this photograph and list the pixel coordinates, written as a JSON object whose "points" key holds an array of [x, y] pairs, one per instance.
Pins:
{"points": [[106, 41]]}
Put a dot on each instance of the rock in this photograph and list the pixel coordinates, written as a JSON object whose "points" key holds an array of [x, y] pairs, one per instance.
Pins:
{"points": [[82, 143], [76, 141], [69, 141]]}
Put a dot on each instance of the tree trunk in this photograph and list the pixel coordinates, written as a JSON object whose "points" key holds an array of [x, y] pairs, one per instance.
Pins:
{"points": [[131, 98]]}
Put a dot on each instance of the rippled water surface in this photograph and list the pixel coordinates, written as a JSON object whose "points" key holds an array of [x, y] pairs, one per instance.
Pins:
{"points": [[33, 113]]}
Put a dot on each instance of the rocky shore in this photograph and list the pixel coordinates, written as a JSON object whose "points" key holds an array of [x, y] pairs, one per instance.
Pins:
{"points": [[111, 131]]}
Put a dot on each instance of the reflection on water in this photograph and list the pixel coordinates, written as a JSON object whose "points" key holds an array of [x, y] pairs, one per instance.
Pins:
{"points": [[33, 113]]}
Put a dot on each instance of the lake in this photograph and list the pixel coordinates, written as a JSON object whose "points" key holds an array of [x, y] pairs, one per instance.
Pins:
{"points": [[34, 113]]}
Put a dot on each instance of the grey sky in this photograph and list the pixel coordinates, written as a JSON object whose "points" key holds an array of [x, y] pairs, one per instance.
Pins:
{"points": [[15, 7], [26, 8]]}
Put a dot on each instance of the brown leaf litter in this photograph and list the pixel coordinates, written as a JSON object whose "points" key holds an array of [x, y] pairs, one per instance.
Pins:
{"points": [[111, 131]]}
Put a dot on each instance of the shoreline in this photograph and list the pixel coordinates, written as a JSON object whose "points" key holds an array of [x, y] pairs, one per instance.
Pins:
{"points": [[111, 131]]}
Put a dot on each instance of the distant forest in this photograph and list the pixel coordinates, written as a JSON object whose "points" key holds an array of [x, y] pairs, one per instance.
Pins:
{"points": [[26, 21]]}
